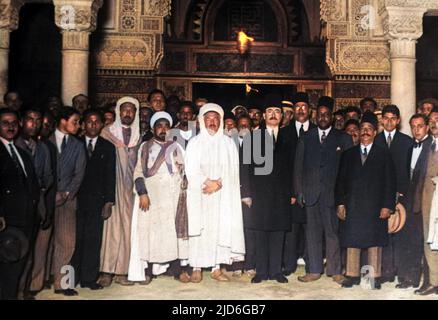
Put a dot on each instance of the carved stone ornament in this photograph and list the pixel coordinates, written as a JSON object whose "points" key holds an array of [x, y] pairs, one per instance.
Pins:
{"points": [[77, 15]]}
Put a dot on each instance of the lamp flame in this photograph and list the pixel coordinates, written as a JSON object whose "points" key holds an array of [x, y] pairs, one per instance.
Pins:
{"points": [[243, 42]]}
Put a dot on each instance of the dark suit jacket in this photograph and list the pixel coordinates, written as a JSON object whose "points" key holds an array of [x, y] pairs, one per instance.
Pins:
{"points": [[365, 190], [416, 183], [70, 166], [100, 173], [400, 148], [289, 146], [270, 191], [316, 166], [51, 191], [18, 194]]}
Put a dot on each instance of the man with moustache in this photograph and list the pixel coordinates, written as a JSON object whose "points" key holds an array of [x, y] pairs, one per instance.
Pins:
{"points": [[352, 128], [365, 198], [430, 269], [368, 104], [270, 218], [17, 201], [339, 120], [96, 197], [352, 112], [215, 224], [409, 242], [288, 113], [145, 119], [40, 155], [316, 166], [426, 106], [71, 161], [295, 238], [124, 134], [253, 104], [399, 145], [154, 243], [186, 127]]}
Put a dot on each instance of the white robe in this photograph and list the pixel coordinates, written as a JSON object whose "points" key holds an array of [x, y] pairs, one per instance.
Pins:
{"points": [[215, 221], [153, 233]]}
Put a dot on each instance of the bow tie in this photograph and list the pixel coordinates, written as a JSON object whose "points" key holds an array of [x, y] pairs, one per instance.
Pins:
{"points": [[418, 144]]}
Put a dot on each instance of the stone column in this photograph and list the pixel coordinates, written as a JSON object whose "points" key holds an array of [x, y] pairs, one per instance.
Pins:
{"points": [[76, 20], [402, 27], [9, 13], [75, 57]]}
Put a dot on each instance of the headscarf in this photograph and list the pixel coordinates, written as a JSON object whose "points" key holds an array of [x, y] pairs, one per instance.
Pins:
{"points": [[116, 127]]}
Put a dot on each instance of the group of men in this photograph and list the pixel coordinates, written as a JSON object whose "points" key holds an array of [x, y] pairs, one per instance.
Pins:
{"points": [[136, 192]]}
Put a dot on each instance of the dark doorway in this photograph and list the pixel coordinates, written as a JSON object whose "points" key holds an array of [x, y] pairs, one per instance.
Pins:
{"points": [[230, 95], [35, 55], [427, 60]]}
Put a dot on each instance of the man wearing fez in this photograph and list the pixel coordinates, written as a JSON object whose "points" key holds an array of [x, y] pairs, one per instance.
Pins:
{"points": [[95, 200], [294, 244], [270, 217], [365, 198], [409, 242], [124, 134], [19, 196], [316, 167], [399, 145]]}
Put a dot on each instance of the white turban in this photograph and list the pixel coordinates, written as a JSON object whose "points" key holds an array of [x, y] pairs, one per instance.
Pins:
{"points": [[161, 115], [116, 127]]}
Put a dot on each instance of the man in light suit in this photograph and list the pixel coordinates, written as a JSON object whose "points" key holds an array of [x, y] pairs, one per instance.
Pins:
{"points": [[70, 172], [318, 156]]}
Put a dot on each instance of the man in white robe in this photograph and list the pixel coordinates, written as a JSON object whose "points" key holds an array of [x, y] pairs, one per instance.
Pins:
{"points": [[157, 177], [213, 197], [124, 133]]}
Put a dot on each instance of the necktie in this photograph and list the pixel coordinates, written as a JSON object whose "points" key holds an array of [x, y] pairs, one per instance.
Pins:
{"points": [[126, 135], [302, 130], [433, 146], [323, 137], [389, 140], [64, 143], [90, 148], [418, 144], [364, 155], [16, 159]]}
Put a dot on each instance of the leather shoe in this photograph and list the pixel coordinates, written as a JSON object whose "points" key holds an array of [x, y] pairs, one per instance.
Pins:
{"points": [[279, 278], [123, 281], [338, 278], [196, 276], [427, 292], [385, 279], [219, 276], [425, 286], [288, 272], [67, 292], [258, 279], [92, 286], [105, 279], [405, 285], [184, 277], [349, 282], [309, 277]]}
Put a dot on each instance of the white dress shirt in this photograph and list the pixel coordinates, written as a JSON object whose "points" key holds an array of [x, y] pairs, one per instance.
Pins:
{"points": [[387, 134], [320, 132], [7, 145], [59, 137], [93, 142], [362, 148], [304, 124], [273, 131], [416, 154]]}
